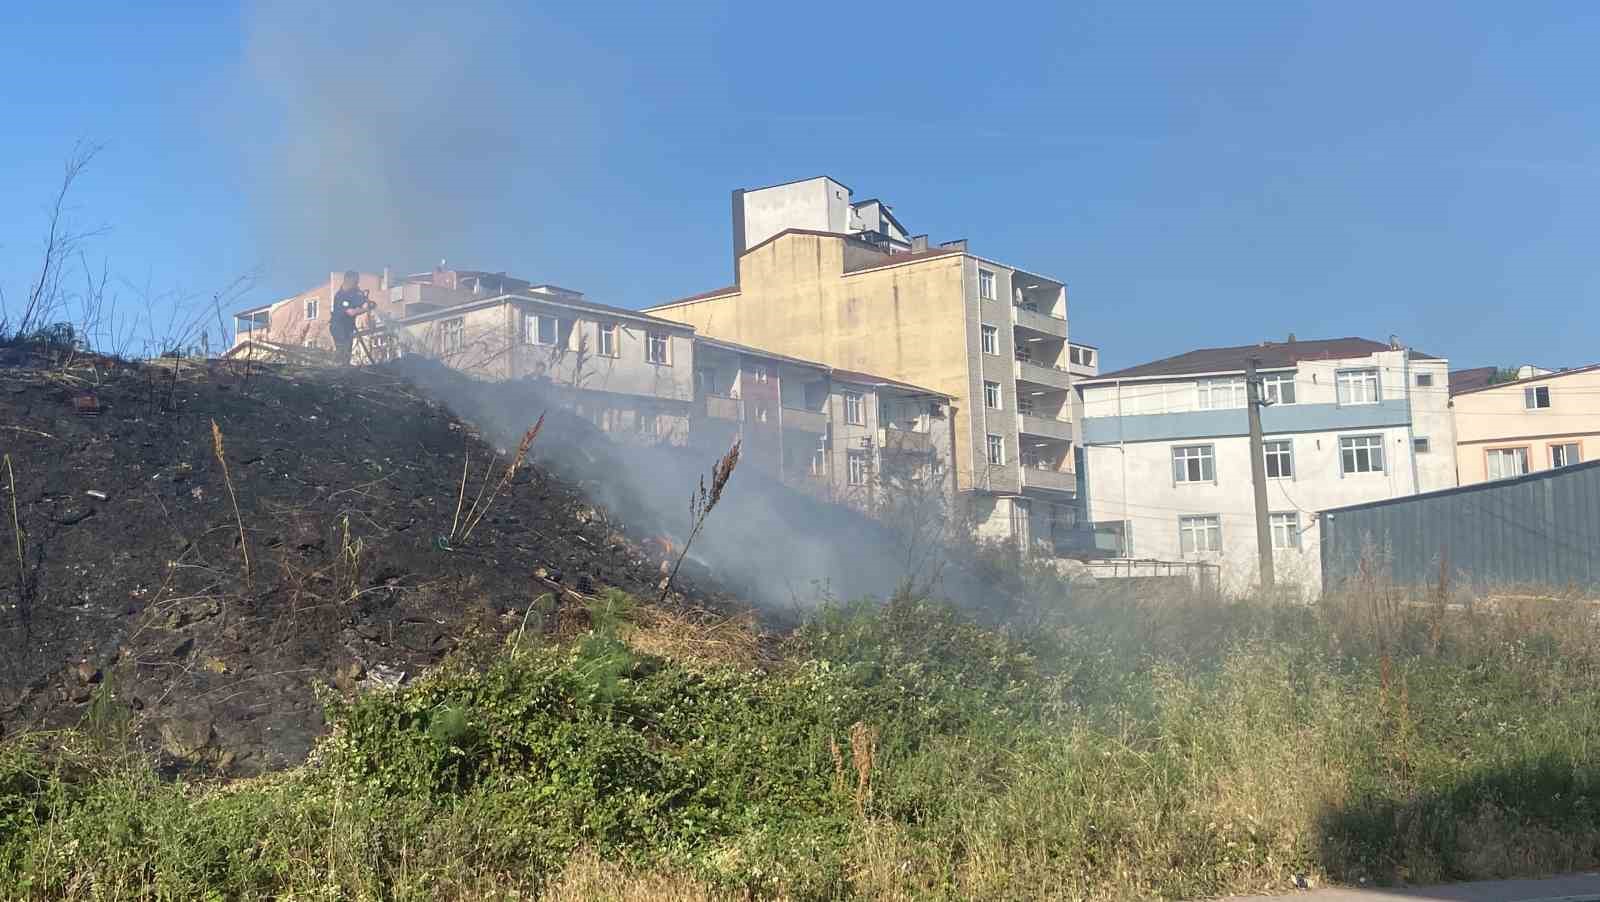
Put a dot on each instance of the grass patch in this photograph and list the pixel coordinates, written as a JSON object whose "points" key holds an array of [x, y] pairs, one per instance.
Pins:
{"points": [[1110, 750]]}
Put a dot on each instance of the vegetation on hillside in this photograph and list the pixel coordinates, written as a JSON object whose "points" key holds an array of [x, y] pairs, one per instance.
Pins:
{"points": [[1107, 749]]}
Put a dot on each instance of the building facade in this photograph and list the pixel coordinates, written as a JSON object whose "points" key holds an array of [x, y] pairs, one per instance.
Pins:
{"points": [[823, 278], [1167, 451], [1541, 421]]}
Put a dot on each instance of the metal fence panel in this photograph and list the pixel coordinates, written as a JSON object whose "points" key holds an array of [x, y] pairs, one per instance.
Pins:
{"points": [[1542, 529]]}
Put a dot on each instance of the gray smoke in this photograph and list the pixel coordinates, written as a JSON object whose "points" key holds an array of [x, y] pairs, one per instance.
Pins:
{"points": [[394, 132]]}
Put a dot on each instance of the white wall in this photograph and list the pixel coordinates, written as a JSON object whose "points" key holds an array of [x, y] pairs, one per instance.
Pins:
{"points": [[821, 204], [1433, 419]]}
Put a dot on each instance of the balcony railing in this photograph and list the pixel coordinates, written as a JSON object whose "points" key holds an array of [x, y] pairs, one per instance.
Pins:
{"points": [[813, 421], [1043, 323], [904, 440], [1045, 427], [1053, 480], [1038, 374]]}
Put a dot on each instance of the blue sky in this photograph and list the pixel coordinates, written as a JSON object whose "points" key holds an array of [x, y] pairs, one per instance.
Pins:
{"points": [[1199, 174]]}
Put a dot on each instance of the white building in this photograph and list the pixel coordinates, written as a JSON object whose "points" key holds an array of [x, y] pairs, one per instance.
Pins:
{"points": [[1167, 454]]}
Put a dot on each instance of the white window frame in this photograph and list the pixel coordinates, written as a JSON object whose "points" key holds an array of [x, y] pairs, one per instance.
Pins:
{"points": [[1517, 453], [988, 285], [854, 411], [1345, 382], [533, 330], [608, 339], [313, 306], [992, 398], [989, 339], [994, 448], [1283, 449], [1368, 443], [1533, 394], [856, 468], [1272, 387], [1200, 529], [1221, 393], [1285, 529], [453, 335], [1204, 456], [819, 462], [1560, 450], [658, 348], [759, 372]]}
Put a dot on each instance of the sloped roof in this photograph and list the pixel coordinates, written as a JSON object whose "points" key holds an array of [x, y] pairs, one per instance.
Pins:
{"points": [[870, 379], [1271, 355], [1469, 379], [1542, 377]]}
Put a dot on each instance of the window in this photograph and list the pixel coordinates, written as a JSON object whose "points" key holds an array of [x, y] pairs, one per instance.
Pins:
{"points": [[608, 340], [759, 372], [1280, 459], [1424, 380], [1358, 386], [1193, 463], [649, 424], [656, 348], [819, 462], [761, 413], [1020, 511], [1420, 445], [311, 308], [1200, 534], [1221, 393], [857, 461], [1536, 398], [1025, 406], [454, 335], [986, 285], [1564, 455], [1361, 454], [1278, 388], [996, 449], [1080, 356], [1285, 530], [1505, 463], [541, 330], [991, 340], [852, 409], [991, 395]]}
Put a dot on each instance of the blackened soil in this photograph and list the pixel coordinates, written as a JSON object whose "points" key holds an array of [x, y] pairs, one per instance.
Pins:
{"points": [[133, 599]]}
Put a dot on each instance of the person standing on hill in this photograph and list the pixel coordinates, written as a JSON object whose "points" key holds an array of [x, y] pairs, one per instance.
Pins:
{"points": [[349, 303]]}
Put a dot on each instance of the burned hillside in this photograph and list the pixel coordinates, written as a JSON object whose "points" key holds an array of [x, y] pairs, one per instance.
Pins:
{"points": [[348, 486]]}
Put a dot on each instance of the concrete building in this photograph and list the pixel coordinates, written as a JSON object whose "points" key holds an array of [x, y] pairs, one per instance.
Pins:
{"points": [[820, 277], [1168, 466], [1542, 420], [843, 436]]}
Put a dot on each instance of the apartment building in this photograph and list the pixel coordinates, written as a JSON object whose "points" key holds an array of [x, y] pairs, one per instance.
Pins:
{"points": [[301, 320], [628, 373], [1540, 420], [843, 436], [1347, 420], [822, 277]]}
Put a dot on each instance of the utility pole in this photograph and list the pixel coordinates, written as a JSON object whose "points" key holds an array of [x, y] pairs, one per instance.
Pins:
{"points": [[1258, 473]]}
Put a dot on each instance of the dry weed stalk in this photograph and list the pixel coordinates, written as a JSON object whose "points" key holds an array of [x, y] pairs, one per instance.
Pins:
{"points": [[16, 531], [222, 458], [863, 757], [700, 505], [480, 505]]}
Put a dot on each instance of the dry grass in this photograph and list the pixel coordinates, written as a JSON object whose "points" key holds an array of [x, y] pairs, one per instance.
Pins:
{"points": [[588, 879], [698, 636]]}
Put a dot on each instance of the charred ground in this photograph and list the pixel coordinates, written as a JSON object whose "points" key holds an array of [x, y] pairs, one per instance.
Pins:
{"points": [[347, 484]]}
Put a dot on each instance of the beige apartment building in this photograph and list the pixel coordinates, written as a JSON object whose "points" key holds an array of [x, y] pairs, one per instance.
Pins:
{"points": [[1543, 421], [823, 278]]}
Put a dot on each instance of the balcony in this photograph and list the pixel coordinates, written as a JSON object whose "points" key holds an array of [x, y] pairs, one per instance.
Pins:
{"points": [[904, 441], [720, 408], [1049, 480], [798, 420], [1042, 323], [1038, 374], [1045, 427]]}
